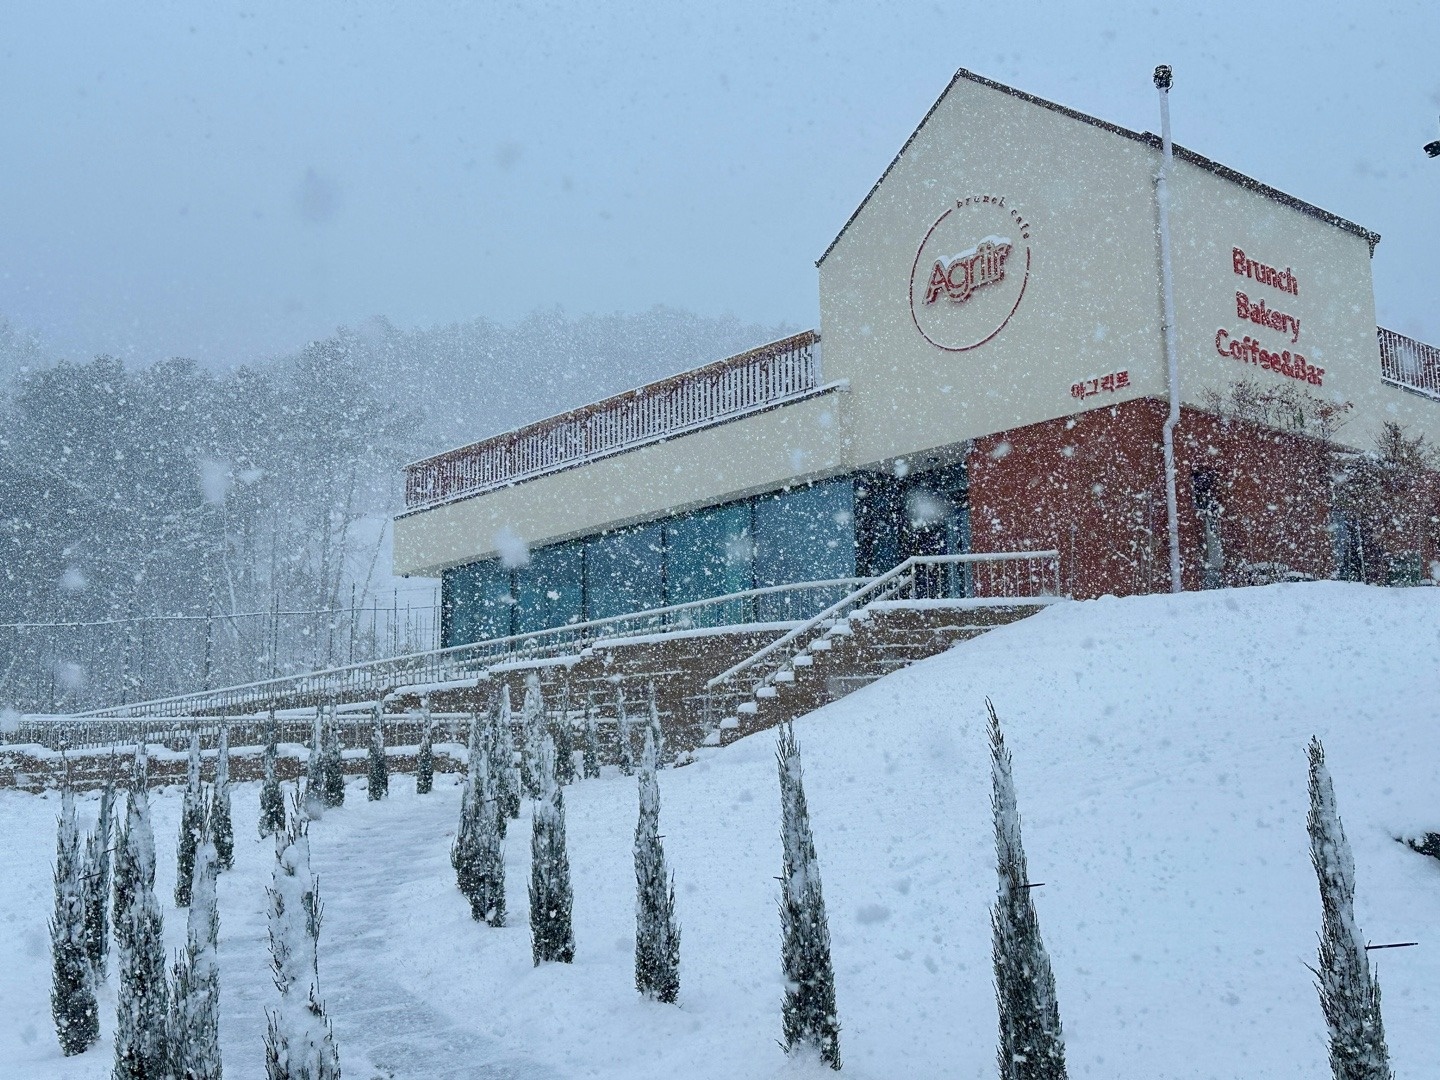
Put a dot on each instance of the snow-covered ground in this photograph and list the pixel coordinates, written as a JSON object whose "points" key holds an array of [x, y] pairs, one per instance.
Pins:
{"points": [[1159, 757]]}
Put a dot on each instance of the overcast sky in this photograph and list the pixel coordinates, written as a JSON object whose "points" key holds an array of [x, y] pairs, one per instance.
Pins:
{"points": [[228, 182]]}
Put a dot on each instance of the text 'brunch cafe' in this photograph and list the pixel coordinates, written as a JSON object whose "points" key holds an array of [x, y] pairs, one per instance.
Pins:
{"points": [[996, 377]]}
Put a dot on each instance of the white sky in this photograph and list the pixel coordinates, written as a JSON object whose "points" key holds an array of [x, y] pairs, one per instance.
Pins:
{"points": [[225, 182]]}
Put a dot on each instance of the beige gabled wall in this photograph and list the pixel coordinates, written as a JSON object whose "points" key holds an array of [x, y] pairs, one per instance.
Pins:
{"points": [[1334, 304], [1090, 306]]}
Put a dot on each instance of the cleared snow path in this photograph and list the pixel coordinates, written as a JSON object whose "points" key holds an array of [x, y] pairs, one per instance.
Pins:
{"points": [[383, 1029]]}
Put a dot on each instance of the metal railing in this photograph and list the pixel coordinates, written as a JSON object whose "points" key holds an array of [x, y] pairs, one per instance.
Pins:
{"points": [[1020, 577], [763, 378], [373, 680], [1409, 363], [246, 733]]}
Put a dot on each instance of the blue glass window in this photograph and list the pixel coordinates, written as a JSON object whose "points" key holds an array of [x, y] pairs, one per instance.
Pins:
{"points": [[805, 534], [710, 553], [625, 572], [550, 591], [475, 603]]}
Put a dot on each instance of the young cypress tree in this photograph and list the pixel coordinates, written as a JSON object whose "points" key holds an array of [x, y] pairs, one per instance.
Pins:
{"points": [[142, 999], [808, 1013], [590, 759], [194, 1023], [463, 850], [551, 937], [272, 801], [192, 821], [1032, 1044], [222, 830], [657, 733], [532, 733], [72, 993], [479, 854], [502, 759], [490, 866], [299, 1043], [657, 937], [97, 885], [315, 768], [334, 762], [1349, 991], [377, 784], [425, 759], [624, 753], [562, 731]]}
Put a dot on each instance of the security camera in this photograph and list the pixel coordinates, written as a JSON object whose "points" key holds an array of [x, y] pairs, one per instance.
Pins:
{"points": [[1163, 77], [1432, 149]]}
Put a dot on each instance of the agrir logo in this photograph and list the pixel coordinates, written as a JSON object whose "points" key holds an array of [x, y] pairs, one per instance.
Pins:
{"points": [[960, 301], [957, 277]]}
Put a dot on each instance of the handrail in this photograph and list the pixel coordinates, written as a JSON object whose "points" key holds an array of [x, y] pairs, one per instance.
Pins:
{"points": [[1406, 362], [774, 374], [895, 575], [463, 657]]}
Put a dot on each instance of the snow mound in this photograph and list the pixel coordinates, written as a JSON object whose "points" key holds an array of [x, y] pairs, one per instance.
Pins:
{"points": [[1159, 760]]}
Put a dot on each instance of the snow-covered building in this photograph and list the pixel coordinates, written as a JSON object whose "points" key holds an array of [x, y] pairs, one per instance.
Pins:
{"points": [[993, 377]]}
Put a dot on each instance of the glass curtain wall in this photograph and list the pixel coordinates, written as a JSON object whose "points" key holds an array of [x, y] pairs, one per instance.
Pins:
{"points": [[804, 534]]}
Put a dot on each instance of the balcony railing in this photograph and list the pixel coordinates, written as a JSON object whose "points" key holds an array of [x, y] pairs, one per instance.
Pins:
{"points": [[761, 379], [1409, 363]]}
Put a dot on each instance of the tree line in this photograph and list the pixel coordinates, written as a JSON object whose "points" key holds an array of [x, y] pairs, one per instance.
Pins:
{"points": [[134, 493]]}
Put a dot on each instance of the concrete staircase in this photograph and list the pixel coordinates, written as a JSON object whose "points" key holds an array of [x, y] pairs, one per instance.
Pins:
{"points": [[843, 654]]}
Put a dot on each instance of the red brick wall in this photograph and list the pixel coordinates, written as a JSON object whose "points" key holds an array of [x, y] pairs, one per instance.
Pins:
{"points": [[1093, 486]]}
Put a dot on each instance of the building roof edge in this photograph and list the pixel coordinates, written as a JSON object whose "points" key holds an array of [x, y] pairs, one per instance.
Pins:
{"points": [[1149, 138]]}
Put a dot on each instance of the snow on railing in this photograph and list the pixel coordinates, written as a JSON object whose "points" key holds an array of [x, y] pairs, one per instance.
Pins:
{"points": [[1409, 363], [774, 374], [1004, 575], [372, 680]]}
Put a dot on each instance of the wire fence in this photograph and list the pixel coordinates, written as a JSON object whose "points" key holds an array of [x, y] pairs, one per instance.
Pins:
{"points": [[75, 666]]}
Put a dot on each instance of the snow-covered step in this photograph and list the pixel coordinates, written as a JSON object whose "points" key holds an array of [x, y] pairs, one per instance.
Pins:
{"points": [[803, 661], [784, 675], [765, 692], [820, 645], [749, 708], [840, 629], [731, 722]]}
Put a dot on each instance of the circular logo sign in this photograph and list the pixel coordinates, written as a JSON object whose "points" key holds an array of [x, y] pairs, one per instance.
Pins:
{"points": [[970, 272]]}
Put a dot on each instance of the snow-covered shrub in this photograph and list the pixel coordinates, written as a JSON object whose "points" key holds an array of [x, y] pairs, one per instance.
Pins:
{"points": [[590, 759], [97, 885], [222, 830], [425, 759], [72, 995], [315, 768], [808, 1012], [1349, 991], [551, 936], [192, 821], [479, 851], [1032, 1044], [624, 752], [194, 1024], [657, 937], [563, 732], [334, 764], [502, 758], [377, 782], [532, 734], [656, 732], [143, 996], [299, 1043], [272, 802]]}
